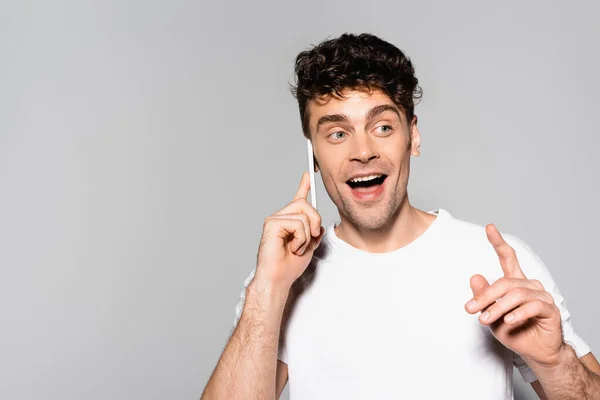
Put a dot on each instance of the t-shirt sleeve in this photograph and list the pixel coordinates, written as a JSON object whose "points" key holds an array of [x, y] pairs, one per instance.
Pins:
{"points": [[534, 268], [281, 351]]}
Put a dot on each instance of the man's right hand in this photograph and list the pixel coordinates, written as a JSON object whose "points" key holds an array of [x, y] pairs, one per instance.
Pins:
{"points": [[289, 238]]}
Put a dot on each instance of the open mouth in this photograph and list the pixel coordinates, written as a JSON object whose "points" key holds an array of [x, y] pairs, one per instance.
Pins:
{"points": [[367, 183]]}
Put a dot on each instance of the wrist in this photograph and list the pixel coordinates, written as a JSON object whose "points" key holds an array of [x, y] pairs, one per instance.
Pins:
{"points": [[556, 365], [268, 293]]}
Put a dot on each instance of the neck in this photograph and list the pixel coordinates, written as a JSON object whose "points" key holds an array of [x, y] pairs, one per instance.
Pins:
{"points": [[407, 225]]}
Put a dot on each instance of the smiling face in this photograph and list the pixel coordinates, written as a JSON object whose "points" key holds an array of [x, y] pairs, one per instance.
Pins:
{"points": [[363, 135]]}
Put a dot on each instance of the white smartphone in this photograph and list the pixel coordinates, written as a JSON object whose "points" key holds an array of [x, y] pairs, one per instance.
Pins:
{"points": [[311, 172]]}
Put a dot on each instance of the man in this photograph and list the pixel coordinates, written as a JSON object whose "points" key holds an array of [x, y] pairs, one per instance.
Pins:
{"points": [[379, 306]]}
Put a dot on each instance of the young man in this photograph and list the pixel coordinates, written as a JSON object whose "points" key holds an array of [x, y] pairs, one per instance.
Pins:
{"points": [[384, 304]]}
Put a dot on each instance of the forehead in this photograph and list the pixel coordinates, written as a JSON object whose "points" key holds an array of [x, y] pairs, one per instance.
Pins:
{"points": [[354, 103]]}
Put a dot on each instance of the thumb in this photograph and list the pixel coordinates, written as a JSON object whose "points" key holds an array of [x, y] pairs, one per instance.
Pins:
{"points": [[478, 284], [315, 242]]}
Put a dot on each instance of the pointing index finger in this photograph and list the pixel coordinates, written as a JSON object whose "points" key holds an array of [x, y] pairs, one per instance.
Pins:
{"points": [[506, 254], [304, 187]]}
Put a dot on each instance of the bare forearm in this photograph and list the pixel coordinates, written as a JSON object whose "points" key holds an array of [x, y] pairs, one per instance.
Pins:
{"points": [[568, 380], [248, 365]]}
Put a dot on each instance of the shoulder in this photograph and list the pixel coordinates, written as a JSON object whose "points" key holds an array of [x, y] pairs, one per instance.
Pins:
{"points": [[461, 233], [474, 234], [472, 238]]}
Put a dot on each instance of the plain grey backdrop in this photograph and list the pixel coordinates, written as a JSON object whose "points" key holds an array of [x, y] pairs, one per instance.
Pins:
{"points": [[142, 143]]}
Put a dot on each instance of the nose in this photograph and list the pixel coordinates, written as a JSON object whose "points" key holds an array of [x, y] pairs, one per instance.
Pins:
{"points": [[364, 150]]}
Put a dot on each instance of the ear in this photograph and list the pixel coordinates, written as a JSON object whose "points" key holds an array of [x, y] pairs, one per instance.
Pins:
{"points": [[315, 162], [415, 137]]}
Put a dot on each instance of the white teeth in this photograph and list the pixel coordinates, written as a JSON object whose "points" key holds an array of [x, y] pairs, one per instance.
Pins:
{"points": [[366, 178]]}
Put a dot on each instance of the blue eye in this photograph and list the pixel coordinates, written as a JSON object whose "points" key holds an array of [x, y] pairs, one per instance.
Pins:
{"points": [[385, 128], [338, 132]]}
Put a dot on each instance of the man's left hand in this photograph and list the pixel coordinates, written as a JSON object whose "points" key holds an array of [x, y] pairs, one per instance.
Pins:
{"points": [[519, 311]]}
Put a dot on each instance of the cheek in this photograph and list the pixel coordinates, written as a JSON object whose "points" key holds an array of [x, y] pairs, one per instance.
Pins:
{"points": [[396, 150], [329, 164]]}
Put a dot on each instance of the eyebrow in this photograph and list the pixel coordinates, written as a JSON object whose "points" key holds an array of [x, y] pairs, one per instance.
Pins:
{"points": [[377, 110], [370, 114], [332, 118]]}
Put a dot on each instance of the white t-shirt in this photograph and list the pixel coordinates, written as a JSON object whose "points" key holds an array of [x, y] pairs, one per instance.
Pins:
{"points": [[362, 325]]}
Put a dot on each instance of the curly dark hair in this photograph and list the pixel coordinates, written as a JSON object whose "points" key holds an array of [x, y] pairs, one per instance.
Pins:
{"points": [[354, 61]]}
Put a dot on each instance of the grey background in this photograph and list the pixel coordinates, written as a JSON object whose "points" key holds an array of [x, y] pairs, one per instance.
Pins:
{"points": [[143, 143]]}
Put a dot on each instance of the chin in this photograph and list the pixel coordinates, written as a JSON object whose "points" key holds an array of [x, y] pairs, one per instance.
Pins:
{"points": [[375, 217], [371, 219]]}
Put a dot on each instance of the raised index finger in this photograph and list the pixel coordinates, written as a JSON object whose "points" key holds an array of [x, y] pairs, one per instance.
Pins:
{"points": [[506, 254], [304, 187]]}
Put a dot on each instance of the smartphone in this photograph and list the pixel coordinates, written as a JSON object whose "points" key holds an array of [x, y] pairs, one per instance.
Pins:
{"points": [[311, 172]]}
